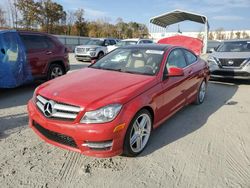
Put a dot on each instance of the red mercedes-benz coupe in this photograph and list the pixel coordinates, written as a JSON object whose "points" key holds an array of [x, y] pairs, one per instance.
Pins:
{"points": [[111, 107]]}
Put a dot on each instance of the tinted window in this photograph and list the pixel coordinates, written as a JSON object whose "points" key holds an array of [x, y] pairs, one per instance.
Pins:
{"points": [[147, 41], [176, 59], [34, 42], [106, 43], [112, 42], [191, 58]]}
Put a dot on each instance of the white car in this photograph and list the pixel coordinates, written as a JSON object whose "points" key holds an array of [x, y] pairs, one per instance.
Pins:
{"points": [[96, 48], [127, 42]]}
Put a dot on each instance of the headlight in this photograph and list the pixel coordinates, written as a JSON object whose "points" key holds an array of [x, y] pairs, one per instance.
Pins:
{"points": [[247, 61], [92, 49], [212, 60], [102, 115], [34, 95]]}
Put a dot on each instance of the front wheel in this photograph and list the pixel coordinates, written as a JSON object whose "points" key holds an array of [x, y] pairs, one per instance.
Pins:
{"points": [[138, 134], [201, 93], [100, 55]]}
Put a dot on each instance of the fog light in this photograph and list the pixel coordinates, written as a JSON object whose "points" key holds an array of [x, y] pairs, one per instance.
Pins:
{"points": [[98, 145]]}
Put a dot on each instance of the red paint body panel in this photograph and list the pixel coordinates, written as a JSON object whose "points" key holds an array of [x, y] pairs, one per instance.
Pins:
{"points": [[94, 88]]}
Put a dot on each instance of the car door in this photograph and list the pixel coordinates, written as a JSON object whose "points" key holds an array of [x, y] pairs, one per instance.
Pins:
{"points": [[194, 69], [174, 88], [38, 52]]}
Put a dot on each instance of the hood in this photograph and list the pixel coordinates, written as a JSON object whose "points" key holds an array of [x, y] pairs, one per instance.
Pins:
{"points": [[93, 88], [231, 55], [88, 46]]}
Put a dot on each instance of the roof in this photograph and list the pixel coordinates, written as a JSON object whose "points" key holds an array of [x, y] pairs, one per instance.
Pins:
{"points": [[237, 40], [177, 16], [133, 39], [163, 47]]}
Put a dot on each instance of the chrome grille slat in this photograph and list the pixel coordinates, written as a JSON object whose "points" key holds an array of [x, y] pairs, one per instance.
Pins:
{"points": [[40, 105], [67, 108], [64, 115], [41, 99], [60, 110]]}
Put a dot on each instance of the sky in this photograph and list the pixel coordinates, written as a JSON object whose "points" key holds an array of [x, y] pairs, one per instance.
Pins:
{"points": [[228, 14]]}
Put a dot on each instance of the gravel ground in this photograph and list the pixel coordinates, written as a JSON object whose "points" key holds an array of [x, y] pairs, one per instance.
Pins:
{"points": [[200, 146]]}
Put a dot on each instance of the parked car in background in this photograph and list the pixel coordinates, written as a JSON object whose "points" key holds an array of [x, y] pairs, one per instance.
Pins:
{"points": [[47, 56], [231, 60], [127, 42], [26, 55], [95, 48], [146, 84]]}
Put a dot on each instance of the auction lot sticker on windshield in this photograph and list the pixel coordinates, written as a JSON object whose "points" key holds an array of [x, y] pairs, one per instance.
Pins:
{"points": [[159, 52]]}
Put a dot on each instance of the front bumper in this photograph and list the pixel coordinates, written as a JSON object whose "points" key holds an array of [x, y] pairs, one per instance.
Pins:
{"points": [[86, 56], [232, 73], [79, 137]]}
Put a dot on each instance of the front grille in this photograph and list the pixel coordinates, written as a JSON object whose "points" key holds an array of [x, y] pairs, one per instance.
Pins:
{"points": [[82, 50], [56, 137], [231, 62], [57, 110]]}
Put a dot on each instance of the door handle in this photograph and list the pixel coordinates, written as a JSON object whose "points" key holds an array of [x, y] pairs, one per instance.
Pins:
{"points": [[48, 53], [190, 72]]}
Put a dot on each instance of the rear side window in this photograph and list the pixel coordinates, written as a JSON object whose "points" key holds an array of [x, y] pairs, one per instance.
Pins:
{"points": [[35, 42], [191, 58]]}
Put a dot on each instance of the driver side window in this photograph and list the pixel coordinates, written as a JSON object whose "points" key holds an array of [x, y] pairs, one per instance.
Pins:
{"points": [[176, 59]]}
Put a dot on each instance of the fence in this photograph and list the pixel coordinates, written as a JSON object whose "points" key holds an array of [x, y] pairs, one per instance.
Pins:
{"points": [[72, 41]]}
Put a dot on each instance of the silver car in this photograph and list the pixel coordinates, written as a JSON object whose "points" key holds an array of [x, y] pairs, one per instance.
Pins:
{"points": [[231, 60]]}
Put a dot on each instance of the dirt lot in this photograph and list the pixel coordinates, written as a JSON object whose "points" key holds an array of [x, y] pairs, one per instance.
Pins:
{"points": [[200, 146]]}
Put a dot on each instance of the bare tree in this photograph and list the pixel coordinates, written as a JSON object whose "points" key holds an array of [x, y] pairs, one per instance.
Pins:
{"points": [[232, 34], [238, 34], [13, 12], [70, 20], [245, 35], [2, 17], [211, 36]]}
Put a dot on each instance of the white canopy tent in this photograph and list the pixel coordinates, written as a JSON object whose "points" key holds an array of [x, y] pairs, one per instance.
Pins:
{"points": [[177, 16]]}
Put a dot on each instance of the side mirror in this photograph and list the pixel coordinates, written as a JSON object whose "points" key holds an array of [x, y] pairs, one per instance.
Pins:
{"points": [[211, 50], [3, 51], [175, 71], [93, 61]]}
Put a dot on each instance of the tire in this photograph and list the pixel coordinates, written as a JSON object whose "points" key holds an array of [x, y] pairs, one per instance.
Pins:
{"points": [[55, 70], [201, 93], [135, 143], [100, 55]]}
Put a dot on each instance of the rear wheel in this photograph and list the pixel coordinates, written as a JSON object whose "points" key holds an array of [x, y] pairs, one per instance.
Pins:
{"points": [[201, 93], [138, 134], [55, 70]]}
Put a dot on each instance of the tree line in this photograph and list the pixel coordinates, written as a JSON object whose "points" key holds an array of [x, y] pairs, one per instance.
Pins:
{"points": [[51, 17]]}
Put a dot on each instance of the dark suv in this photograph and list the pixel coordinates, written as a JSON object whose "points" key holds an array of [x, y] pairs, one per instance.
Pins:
{"points": [[47, 56], [26, 56]]}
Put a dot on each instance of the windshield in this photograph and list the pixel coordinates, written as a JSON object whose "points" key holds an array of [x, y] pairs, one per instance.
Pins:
{"points": [[95, 42], [126, 43], [135, 61], [237, 46]]}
